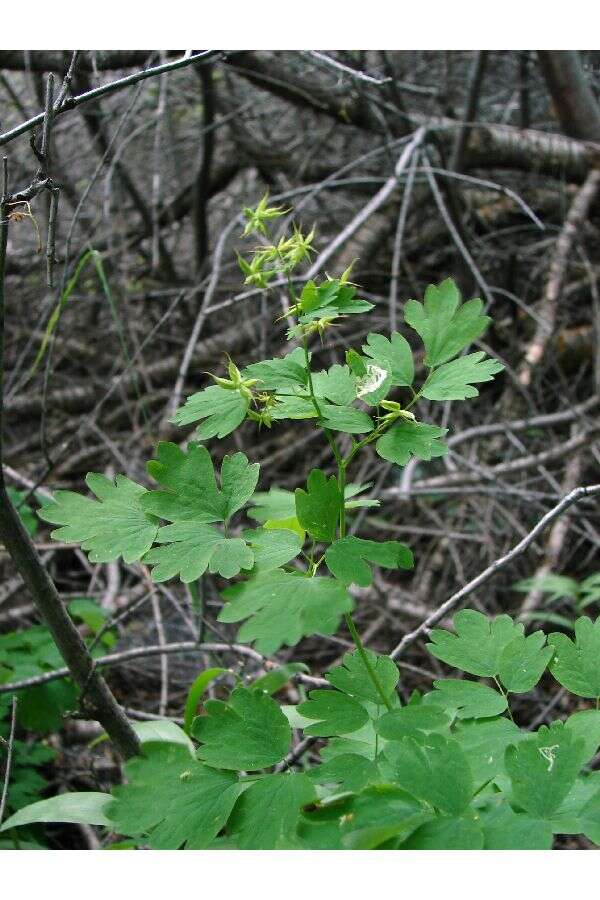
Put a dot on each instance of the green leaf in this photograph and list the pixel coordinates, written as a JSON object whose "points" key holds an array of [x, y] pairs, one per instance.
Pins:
{"points": [[222, 409], [41, 708], [338, 385], [191, 548], [162, 731], [273, 504], [282, 608], [567, 819], [422, 766], [336, 714], [249, 731], [318, 508], [505, 829], [394, 355], [590, 819], [173, 798], [345, 418], [191, 486], [478, 644], [115, 526], [277, 504], [589, 590], [81, 807], [404, 722], [195, 692], [557, 586], [411, 439], [267, 814], [24, 510], [471, 699], [378, 814], [275, 679], [329, 299], [291, 407], [454, 380], [349, 771], [446, 833], [575, 664], [346, 558], [523, 662], [585, 724], [272, 548], [353, 678], [543, 768], [374, 385], [279, 374], [89, 612], [445, 326], [484, 742]]}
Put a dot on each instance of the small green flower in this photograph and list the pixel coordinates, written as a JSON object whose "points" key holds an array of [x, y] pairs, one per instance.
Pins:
{"points": [[254, 272], [262, 214]]}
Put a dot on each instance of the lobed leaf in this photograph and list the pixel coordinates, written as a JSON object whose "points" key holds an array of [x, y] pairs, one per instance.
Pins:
{"points": [[409, 439], [114, 525]]}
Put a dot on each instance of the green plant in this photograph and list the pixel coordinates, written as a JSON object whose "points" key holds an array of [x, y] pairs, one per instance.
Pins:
{"points": [[578, 595], [449, 769]]}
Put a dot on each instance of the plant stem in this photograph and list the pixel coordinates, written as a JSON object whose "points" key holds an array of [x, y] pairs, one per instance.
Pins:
{"points": [[341, 479], [95, 695], [505, 695], [366, 662]]}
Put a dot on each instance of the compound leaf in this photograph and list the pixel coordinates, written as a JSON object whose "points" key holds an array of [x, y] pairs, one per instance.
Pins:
{"points": [[586, 724], [454, 380], [222, 409], [471, 699], [267, 814], [345, 418], [411, 439], [349, 771], [394, 355], [523, 661], [484, 741], [318, 507], [282, 374], [346, 558], [575, 664], [329, 299], [190, 548], [335, 714], [478, 644], [445, 326], [446, 833], [174, 799], [544, 767], [505, 829], [404, 722], [273, 504], [353, 678], [272, 547], [422, 766], [115, 525], [380, 813], [338, 385], [249, 731], [281, 608], [191, 486]]}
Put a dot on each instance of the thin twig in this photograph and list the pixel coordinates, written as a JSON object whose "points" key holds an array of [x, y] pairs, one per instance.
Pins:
{"points": [[573, 497]]}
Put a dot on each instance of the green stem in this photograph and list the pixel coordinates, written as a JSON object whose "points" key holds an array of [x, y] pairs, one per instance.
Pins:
{"points": [[366, 662], [505, 695]]}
